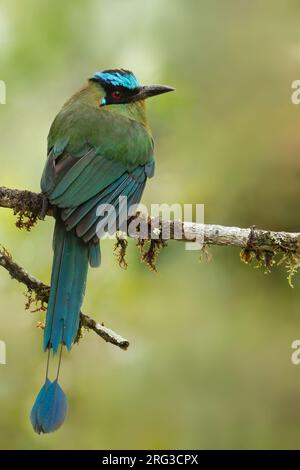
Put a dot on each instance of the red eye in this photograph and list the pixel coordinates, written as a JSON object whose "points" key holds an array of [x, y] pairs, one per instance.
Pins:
{"points": [[116, 95]]}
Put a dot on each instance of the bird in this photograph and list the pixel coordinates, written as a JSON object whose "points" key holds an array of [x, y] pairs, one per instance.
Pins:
{"points": [[100, 149]]}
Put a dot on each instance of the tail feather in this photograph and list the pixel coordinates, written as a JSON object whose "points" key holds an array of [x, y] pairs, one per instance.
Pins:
{"points": [[68, 281], [94, 255], [75, 300], [50, 408]]}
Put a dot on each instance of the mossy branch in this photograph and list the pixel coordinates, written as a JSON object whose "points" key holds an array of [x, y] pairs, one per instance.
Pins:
{"points": [[28, 207], [38, 293], [265, 247]]}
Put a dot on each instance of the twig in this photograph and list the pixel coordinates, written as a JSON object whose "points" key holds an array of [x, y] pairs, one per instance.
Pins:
{"points": [[42, 294]]}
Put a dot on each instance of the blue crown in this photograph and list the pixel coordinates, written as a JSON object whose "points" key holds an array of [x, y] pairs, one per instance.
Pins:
{"points": [[118, 77]]}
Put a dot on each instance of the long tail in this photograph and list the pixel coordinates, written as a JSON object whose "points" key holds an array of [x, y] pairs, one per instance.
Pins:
{"points": [[68, 279]]}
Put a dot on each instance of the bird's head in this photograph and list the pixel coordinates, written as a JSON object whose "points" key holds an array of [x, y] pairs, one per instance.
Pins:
{"points": [[121, 87]]}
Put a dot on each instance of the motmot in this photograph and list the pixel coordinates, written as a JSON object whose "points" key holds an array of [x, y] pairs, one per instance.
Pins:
{"points": [[100, 148]]}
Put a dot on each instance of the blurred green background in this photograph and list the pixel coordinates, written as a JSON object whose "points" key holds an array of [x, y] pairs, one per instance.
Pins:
{"points": [[209, 362]]}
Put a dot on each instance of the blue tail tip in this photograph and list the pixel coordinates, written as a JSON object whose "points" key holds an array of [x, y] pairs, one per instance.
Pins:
{"points": [[50, 408]]}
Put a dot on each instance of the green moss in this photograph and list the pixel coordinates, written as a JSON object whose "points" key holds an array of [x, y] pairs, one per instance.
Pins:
{"points": [[149, 250], [120, 249], [267, 259]]}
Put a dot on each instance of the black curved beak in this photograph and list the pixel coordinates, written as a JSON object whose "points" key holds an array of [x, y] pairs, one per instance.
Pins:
{"points": [[151, 90]]}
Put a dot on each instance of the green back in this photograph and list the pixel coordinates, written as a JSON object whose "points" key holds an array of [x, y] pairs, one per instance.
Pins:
{"points": [[90, 146]]}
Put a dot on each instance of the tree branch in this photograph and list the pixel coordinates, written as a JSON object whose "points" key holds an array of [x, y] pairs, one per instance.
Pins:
{"points": [[29, 204], [41, 291], [263, 245]]}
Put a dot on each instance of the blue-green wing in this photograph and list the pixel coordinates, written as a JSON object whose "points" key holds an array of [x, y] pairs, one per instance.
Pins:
{"points": [[79, 186], [70, 181], [94, 157], [109, 206]]}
